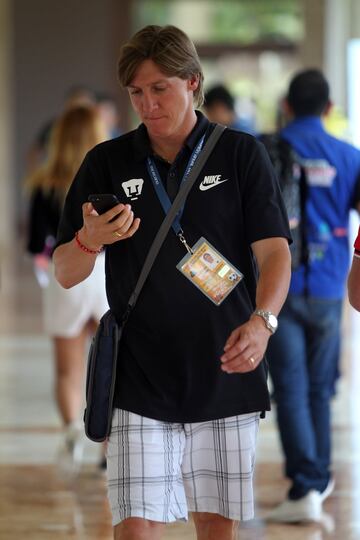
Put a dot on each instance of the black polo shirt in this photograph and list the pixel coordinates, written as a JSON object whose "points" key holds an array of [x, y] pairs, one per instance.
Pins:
{"points": [[169, 365]]}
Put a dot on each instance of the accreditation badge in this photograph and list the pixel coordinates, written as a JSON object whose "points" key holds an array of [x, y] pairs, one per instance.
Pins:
{"points": [[209, 271]]}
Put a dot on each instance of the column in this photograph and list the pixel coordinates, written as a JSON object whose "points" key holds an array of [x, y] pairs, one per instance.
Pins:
{"points": [[7, 189]]}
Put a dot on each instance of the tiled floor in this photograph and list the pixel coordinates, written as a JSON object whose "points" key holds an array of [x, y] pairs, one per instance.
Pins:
{"points": [[36, 504]]}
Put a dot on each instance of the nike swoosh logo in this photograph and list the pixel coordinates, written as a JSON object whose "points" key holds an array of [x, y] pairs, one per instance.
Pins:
{"points": [[205, 187]]}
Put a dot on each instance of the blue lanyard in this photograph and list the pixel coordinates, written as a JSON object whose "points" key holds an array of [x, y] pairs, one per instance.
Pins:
{"points": [[160, 189]]}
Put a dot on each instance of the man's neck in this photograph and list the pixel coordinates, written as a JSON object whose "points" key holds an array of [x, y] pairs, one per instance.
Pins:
{"points": [[166, 150], [169, 147]]}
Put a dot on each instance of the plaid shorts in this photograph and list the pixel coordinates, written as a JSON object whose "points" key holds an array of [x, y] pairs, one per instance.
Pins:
{"points": [[160, 470]]}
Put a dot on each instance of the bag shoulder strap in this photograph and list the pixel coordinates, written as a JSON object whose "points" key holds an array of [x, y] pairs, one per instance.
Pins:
{"points": [[170, 216]]}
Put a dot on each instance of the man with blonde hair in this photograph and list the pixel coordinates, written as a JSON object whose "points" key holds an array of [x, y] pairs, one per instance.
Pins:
{"points": [[191, 383]]}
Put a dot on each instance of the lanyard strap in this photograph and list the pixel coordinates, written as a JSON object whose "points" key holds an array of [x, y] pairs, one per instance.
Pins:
{"points": [[160, 189]]}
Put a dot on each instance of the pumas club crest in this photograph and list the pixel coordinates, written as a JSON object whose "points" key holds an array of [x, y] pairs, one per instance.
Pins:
{"points": [[133, 188]]}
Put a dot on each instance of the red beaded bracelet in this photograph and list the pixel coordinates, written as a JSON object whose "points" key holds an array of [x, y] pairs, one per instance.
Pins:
{"points": [[84, 248]]}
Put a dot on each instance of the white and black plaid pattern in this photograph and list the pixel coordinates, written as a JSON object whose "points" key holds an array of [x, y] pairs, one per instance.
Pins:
{"points": [[159, 470]]}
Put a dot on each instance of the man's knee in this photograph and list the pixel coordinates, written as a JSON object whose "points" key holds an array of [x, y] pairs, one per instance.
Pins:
{"points": [[138, 529], [210, 526]]}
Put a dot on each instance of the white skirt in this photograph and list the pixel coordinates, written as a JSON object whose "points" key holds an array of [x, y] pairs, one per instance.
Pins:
{"points": [[66, 311]]}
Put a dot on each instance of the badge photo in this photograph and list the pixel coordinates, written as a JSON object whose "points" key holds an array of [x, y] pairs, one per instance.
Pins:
{"points": [[209, 271]]}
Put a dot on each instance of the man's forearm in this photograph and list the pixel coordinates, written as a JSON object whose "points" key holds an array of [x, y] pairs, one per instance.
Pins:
{"points": [[354, 284], [274, 280], [72, 265]]}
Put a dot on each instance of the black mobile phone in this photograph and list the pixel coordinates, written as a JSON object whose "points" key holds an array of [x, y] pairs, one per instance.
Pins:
{"points": [[102, 202]]}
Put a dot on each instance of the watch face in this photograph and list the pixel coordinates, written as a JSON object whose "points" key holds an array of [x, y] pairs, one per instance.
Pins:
{"points": [[273, 321]]}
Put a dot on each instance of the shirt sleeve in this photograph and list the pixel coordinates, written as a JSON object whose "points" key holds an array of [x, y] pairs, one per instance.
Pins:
{"points": [[265, 215], [44, 214]]}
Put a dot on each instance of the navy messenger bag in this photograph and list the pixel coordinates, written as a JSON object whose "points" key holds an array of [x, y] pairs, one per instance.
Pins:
{"points": [[100, 378]]}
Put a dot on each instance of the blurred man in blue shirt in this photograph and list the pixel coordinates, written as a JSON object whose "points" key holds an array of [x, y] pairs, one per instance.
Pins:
{"points": [[303, 355]]}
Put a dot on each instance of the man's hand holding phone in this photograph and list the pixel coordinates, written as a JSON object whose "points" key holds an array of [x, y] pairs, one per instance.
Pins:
{"points": [[106, 221]]}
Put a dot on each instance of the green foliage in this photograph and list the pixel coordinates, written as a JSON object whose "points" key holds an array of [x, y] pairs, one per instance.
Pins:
{"points": [[234, 21], [151, 12]]}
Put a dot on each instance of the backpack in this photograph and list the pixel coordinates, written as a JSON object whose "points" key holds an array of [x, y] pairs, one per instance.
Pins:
{"points": [[292, 181]]}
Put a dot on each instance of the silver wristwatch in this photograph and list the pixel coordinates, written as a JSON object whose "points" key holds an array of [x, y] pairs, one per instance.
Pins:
{"points": [[269, 318]]}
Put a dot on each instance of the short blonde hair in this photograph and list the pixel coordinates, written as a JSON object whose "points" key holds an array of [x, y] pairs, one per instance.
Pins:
{"points": [[169, 48]]}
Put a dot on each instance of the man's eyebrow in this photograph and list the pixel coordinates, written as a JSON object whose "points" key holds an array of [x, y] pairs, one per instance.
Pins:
{"points": [[158, 81]]}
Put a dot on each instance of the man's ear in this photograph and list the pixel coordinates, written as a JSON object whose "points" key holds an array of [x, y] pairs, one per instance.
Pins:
{"points": [[328, 108], [193, 83], [287, 109]]}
